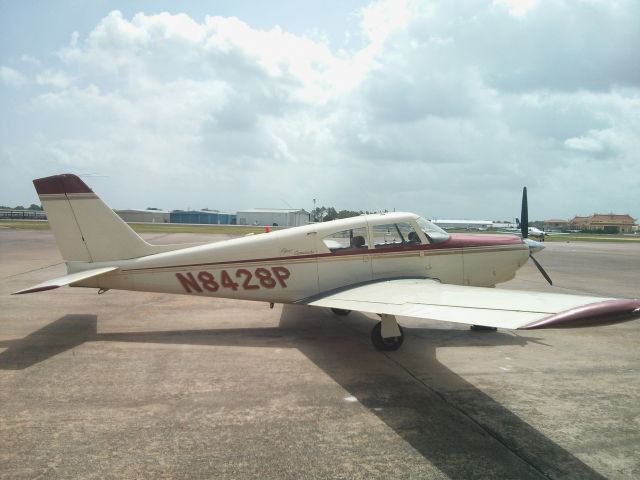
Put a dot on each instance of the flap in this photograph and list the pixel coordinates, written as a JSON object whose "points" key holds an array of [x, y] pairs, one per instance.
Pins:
{"points": [[66, 280], [492, 307]]}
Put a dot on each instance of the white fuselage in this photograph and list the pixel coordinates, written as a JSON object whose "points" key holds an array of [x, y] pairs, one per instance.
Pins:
{"points": [[291, 265]]}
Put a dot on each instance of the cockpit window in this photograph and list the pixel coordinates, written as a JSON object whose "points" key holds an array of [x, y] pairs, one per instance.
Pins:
{"points": [[353, 238], [434, 233], [394, 235]]}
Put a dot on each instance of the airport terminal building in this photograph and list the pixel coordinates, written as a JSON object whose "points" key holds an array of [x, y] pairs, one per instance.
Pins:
{"points": [[607, 223]]}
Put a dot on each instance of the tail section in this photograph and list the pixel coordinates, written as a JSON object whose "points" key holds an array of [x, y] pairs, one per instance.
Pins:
{"points": [[85, 228]]}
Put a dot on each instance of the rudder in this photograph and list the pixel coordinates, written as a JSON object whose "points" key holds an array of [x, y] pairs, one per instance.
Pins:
{"points": [[85, 228]]}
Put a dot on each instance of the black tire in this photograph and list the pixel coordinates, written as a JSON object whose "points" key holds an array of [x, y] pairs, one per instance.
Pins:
{"points": [[385, 344], [340, 312], [482, 328]]}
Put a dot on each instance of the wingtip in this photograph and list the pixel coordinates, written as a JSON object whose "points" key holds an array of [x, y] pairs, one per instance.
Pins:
{"points": [[36, 289], [63, 183], [602, 313]]}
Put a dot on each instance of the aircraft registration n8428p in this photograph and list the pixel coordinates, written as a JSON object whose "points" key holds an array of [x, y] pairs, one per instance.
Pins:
{"points": [[396, 264]]}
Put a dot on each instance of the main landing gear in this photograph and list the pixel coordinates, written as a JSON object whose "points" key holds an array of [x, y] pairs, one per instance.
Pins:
{"points": [[482, 328], [386, 335]]}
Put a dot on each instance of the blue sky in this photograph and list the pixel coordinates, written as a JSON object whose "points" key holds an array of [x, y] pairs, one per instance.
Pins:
{"points": [[445, 109]]}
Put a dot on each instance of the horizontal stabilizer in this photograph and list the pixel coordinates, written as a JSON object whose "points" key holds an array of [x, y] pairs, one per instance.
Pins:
{"points": [[491, 307], [66, 280]]}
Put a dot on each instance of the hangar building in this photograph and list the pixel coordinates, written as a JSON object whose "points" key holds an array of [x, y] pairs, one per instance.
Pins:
{"points": [[282, 217], [210, 217], [143, 216]]}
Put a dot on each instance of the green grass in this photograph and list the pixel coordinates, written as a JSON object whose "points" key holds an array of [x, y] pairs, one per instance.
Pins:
{"points": [[571, 237], [146, 227], [25, 224], [592, 237]]}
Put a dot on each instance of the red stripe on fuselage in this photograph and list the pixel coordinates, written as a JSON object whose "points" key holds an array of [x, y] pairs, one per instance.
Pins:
{"points": [[462, 240], [456, 242]]}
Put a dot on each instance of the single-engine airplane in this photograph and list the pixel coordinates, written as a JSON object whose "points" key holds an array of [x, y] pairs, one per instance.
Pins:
{"points": [[395, 264]]}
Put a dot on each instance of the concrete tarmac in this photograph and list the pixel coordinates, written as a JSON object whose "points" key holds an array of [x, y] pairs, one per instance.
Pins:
{"points": [[137, 385]]}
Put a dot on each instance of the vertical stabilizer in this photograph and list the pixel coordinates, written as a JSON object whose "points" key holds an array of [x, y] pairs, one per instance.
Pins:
{"points": [[85, 228]]}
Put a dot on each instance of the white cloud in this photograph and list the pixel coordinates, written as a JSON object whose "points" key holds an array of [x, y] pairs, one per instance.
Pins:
{"points": [[11, 77], [437, 102], [586, 144], [517, 8], [53, 78], [28, 59]]}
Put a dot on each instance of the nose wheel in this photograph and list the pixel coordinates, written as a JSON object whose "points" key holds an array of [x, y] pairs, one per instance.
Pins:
{"points": [[387, 343]]}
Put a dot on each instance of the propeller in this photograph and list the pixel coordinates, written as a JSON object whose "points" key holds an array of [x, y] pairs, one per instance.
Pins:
{"points": [[524, 229], [524, 214], [544, 274]]}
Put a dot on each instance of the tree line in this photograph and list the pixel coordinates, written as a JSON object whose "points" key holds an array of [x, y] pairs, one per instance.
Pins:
{"points": [[33, 206], [326, 214]]}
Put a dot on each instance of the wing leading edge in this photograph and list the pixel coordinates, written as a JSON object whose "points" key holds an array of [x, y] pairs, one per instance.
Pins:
{"points": [[511, 309]]}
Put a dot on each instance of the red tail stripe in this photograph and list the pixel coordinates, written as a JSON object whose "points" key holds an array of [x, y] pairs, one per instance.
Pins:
{"points": [[65, 183]]}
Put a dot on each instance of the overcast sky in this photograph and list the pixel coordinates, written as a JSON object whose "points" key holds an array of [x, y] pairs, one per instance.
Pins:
{"points": [[441, 108]]}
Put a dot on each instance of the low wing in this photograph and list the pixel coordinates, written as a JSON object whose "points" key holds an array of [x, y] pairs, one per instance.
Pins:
{"points": [[66, 280], [512, 309]]}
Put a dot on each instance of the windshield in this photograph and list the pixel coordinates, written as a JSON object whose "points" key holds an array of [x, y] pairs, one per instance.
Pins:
{"points": [[434, 233]]}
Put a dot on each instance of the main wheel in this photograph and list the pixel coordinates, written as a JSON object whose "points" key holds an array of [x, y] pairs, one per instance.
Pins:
{"points": [[386, 344], [340, 312], [482, 328]]}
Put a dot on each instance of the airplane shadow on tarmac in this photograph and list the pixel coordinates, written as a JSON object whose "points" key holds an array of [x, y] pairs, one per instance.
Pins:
{"points": [[455, 426]]}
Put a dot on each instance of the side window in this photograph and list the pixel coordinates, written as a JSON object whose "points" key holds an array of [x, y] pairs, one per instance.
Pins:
{"points": [[353, 238], [394, 235]]}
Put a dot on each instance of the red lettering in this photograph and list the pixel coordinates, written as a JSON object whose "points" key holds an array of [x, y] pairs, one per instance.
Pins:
{"points": [[281, 274], [247, 278], [265, 277], [188, 282], [226, 281], [208, 281]]}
